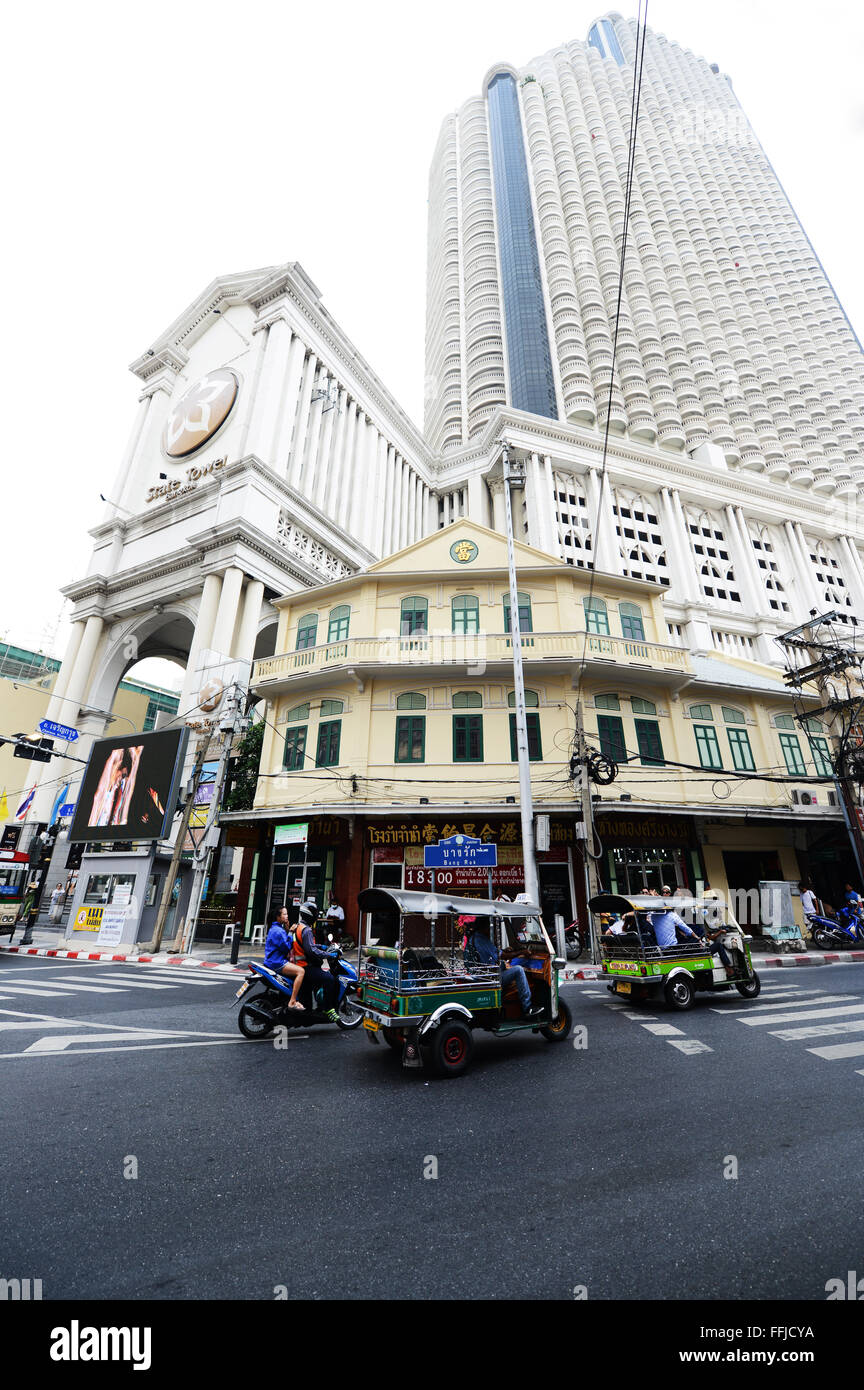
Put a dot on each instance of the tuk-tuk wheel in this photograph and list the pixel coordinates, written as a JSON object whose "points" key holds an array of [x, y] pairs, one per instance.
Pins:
{"points": [[451, 1048], [679, 993], [559, 1028], [749, 988]]}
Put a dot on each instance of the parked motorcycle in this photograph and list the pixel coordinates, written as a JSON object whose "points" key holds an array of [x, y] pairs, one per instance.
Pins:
{"points": [[268, 1009], [573, 941], [846, 929]]}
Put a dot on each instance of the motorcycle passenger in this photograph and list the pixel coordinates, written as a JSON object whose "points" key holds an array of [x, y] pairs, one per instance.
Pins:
{"points": [[664, 924], [314, 960], [279, 955]]}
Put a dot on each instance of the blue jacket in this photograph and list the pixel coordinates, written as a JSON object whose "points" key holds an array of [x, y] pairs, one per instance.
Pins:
{"points": [[277, 947]]}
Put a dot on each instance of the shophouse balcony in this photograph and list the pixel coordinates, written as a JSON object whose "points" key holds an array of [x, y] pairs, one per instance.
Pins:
{"points": [[473, 653]]}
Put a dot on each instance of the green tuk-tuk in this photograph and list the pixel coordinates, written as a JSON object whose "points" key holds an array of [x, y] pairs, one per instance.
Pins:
{"points": [[425, 992], [637, 968]]}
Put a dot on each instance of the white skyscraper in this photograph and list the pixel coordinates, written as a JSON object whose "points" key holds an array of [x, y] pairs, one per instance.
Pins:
{"points": [[736, 414]]}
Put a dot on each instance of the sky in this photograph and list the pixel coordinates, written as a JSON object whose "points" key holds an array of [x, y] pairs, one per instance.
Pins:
{"points": [[152, 147]]}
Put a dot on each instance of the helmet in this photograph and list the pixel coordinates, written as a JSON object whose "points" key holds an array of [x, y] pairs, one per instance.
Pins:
{"points": [[306, 915]]}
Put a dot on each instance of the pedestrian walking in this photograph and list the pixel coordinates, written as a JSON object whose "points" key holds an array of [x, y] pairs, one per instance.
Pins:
{"points": [[58, 902]]}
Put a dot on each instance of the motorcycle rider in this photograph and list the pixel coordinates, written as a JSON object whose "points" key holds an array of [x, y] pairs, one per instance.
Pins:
{"points": [[306, 952]]}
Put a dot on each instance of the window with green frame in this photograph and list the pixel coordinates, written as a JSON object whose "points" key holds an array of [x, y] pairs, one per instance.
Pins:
{"points": [[298, 715], [821, 751], [294, 754], [410, 738], [414, 616], [329, 738], [632, 625], [596, 616], [465, 613], [467, 699], [307, 631], [331, 707], [412, 699], [707, 745], [467, 738], [532, 728], [607, 702], [524, 611], [792, 755], [733, 716], [610, 731], [338, 623], [701, 712], [739, 747], [640, 706], [649, 742], [784, 721]]}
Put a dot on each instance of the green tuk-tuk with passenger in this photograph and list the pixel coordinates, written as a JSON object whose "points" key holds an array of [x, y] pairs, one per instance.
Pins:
{"points": [[637, 968], [424, 989]]}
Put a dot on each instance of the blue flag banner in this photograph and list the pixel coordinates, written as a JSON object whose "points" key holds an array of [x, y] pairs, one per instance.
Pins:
{"points": [[60, 801]]}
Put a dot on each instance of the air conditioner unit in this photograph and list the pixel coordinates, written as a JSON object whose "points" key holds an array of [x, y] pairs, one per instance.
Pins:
{"points": [[803, 796]]}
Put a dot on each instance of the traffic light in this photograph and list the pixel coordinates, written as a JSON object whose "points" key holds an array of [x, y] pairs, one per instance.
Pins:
{"points": [[38, 750]]}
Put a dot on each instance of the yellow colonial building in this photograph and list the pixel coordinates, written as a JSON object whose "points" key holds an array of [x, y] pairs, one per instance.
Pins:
{"points": [[390, 723]]}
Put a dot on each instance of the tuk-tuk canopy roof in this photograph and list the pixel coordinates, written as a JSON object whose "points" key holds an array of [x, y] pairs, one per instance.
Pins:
{"points": [[647, 902], [439, 904]]}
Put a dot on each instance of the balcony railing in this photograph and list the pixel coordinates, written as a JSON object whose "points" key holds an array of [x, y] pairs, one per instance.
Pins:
{"points": [[476, 651]]}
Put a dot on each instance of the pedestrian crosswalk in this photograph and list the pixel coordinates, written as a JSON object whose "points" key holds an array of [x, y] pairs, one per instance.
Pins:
{"points": [[815, 1013], [56, 982]]}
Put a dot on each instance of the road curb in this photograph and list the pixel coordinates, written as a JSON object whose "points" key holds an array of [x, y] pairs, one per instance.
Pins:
{"points": [[589, 972], [128, 960]]}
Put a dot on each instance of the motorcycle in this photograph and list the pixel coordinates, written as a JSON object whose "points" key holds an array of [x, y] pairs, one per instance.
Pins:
{"points": [[846, 929], [573, 941], [268, 1009]]}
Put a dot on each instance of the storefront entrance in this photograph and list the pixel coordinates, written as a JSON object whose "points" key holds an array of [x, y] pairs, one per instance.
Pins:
{"points": [[299, 872]]}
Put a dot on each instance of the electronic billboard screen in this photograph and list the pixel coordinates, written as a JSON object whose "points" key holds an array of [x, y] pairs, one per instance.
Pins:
{"points": [[130, 787]]}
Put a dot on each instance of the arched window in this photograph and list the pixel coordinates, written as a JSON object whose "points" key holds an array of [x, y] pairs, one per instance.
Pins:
{"points": [[307, 631], [524, 610], [467, 699], [784, 721], [733, 716], [701, 712], [294, 751], [596, 617], [607, 702], [532, 699], [640, 706], [297, 715], [331, 707], [412, 700], [337, 627], [414, 616], [465, 613], [632, 626]]}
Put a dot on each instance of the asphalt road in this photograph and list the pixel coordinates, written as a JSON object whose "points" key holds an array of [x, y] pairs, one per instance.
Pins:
{"points": [[607, 1166]]}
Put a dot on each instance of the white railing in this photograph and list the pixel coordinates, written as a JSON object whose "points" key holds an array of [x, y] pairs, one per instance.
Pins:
{"points": [[473, 650]]}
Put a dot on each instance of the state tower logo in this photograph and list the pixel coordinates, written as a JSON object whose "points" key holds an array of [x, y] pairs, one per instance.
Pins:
{"points": [[199, 414]]}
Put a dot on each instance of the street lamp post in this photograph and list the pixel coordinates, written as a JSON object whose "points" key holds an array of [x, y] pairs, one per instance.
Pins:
{"points": [[513, 475]]}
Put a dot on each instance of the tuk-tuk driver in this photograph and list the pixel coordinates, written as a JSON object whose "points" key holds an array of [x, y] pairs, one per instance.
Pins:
{"points": [[487, 953], [664, 924]]}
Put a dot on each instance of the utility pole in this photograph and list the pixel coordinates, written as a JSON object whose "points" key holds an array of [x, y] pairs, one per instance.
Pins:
{"points": [[179, 843], [514, 473], [582, 779], [229, 726]]}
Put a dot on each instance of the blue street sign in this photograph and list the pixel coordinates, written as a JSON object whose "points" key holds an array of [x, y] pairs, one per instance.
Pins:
{"points": [[58, 730], [460, 852], [67, 810]]}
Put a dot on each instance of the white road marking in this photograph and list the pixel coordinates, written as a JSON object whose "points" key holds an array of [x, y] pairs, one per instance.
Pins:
{"points": [[92, 989], [819, 1030], [38, 993], [662, 1030], [130, 1027], [132, 984], [789, 1004], [793, 1018], [640, 1018], [689, 1046], [57, 1042], [837, 1050], [137, 1047]]}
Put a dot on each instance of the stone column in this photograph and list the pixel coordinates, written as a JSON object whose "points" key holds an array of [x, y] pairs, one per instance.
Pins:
{"points": [[856, 574], [336, 485], [313, 438], [323, 481], [298, 443], [604, 541], [802, 569], [752, 591], [499, 515], [226, 616], [385, 491], [290, 390], [268, 396], [82, 673], [56, 703], [362, 481], [201, 640], [678, 558], [245, 646]]}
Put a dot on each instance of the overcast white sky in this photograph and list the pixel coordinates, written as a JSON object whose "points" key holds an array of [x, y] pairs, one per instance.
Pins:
{"points": [[151, 147]]}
